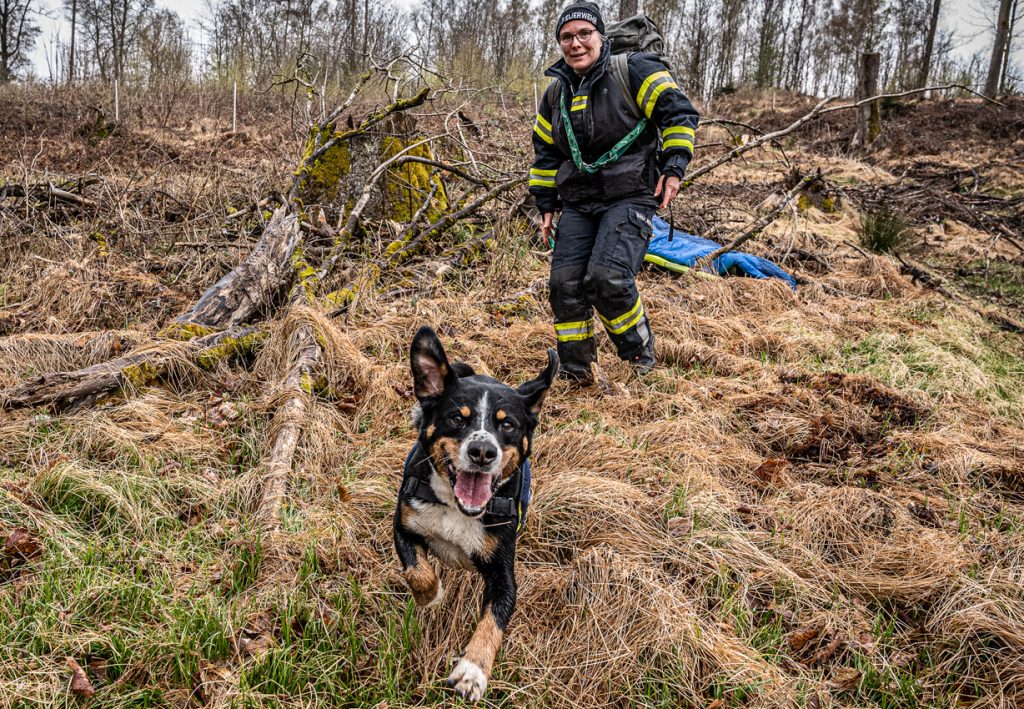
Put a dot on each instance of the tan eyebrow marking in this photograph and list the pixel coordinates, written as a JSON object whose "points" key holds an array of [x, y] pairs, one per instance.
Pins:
{"points": [[465, 411], [500, 414]]}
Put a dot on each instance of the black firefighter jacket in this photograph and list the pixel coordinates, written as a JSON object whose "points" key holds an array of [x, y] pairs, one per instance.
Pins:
{"points": [[601, 115]]}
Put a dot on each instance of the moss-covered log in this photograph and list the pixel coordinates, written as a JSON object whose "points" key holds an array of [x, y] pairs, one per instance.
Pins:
{"points": [[134, 370]]}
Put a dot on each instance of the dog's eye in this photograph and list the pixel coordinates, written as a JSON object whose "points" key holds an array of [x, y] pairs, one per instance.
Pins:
{"points": [[507, 427], [457, 419]]}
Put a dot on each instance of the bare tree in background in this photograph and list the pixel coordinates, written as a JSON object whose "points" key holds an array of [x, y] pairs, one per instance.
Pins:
{"points": [[929, 45], [768, 51], [999, 53], [627, 8], [71, 49], [1014, 18], [795, 72], [163, 53], [18, 32]]}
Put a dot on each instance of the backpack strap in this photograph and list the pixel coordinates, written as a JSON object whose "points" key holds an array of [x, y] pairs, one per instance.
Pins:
{"points": [[620, 67], [551, 93]]}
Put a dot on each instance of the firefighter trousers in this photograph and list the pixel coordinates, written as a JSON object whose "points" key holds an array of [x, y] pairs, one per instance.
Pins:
{"points": [[598, 251]]}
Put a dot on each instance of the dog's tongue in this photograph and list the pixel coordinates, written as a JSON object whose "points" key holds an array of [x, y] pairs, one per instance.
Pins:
{"points": [[473, 489]]}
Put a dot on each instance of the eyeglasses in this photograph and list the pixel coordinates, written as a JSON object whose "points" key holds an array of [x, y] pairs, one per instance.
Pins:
{"points": [[583, 36]]}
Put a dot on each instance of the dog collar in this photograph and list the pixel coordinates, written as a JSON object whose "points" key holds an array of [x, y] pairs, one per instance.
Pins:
{"points": [[504, 507]]}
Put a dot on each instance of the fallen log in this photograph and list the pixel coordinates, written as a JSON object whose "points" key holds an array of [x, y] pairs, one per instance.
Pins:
{"points": [[252, 285], [71, 390], [304, 354]]}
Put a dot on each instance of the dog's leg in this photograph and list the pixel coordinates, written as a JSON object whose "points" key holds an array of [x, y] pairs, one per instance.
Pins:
{"points": [[469, 678], [416, 568]]}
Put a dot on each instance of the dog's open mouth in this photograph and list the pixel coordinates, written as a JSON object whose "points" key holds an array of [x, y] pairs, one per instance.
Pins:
{"points": [[473, 490]]}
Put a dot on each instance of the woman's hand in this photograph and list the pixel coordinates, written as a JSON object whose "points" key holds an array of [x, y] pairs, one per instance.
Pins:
{"points": [[670, 188], [547, 229]]}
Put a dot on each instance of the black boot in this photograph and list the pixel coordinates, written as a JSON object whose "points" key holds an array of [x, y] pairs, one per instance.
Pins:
{"points": [[643, 360], [576, 358]]}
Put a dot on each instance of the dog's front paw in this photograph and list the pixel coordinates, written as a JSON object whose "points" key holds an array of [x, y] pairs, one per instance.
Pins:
{"points": [[438, 596], [468, 680], [426, 587]]}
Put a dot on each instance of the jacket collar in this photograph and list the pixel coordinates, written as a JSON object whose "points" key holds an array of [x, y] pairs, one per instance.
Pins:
{"points": [[562, 71]]}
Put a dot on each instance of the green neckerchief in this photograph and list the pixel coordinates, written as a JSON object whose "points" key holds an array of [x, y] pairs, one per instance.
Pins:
{"points": [[611, 156]]}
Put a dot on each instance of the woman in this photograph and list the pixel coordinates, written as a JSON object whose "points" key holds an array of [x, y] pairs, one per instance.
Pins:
{"points": [[608, 175]]}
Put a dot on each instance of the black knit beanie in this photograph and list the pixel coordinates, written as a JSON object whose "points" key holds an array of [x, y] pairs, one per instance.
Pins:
{"points": [[581, 10]]}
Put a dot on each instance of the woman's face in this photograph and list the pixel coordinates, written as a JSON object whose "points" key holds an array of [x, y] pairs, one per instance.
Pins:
{"points": [[578, 54]]}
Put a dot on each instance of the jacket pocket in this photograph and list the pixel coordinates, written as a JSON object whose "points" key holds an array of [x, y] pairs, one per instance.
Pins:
{"points": [[624, 178]]}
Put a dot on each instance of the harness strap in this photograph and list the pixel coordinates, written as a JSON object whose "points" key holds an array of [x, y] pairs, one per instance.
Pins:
{"points": [[608, 158], [496, 506]]}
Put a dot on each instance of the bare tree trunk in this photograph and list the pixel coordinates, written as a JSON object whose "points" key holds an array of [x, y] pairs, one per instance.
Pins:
{"points": [[869, 117], [240, 294], [1006, 54], [929, 45], [71, 49], [995, 65], [627, 8]]}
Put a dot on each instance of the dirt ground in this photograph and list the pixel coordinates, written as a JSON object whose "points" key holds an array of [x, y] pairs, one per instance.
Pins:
{"points": [[816, 499]]}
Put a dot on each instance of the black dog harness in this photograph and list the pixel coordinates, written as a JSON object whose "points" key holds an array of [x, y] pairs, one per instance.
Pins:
{"points": [[502, 507]]}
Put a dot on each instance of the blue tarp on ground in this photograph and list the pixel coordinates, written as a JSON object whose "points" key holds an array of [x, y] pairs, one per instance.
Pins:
{"points": [[682, 253]]}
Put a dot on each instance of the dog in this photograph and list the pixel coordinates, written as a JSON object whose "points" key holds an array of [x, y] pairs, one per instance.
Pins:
{"points": [[465, 491]]}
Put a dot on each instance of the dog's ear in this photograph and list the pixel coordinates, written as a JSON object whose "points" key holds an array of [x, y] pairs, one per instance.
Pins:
{"points": [[534, 391], [463, 369], [431, 372]]}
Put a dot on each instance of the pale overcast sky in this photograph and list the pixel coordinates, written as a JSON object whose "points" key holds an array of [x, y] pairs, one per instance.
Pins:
{"points": [[970, 19]]}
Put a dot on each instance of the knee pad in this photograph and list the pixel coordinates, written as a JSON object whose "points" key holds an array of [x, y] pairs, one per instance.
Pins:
{"points": [[604, 284], [565, 288]]}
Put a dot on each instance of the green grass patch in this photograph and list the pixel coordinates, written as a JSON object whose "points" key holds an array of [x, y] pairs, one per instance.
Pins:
{"points": [[884, 231]]}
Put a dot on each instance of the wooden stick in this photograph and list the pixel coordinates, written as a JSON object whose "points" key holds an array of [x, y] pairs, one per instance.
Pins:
{"points": [[707, 261]]}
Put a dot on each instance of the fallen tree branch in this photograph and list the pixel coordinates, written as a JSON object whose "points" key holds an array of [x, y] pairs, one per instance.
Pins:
{"points": [[304, 354], [766, 138], [706, 262], [253, 284], [136, 369], [819, 110]]}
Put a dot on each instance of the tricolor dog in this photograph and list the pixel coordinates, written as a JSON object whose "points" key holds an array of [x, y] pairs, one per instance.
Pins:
{"points": [[465, 488]]}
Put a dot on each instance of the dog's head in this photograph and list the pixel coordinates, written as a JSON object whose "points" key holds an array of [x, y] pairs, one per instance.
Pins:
{"points": [[476, 430]]}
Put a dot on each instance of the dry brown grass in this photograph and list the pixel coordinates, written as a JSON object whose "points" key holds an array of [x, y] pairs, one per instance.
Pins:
{"points": [[816, 499]]}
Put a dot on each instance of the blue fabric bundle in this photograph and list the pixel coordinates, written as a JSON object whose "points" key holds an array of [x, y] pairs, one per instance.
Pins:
{"points": [[682, 253]]}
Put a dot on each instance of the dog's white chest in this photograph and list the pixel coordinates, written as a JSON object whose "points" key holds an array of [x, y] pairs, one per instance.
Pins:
{"points": [[452, 536]]}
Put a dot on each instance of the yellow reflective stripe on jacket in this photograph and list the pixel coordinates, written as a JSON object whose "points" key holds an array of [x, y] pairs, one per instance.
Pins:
{"points": [[570, 331], [648, 107], [542, 178], [677, 130], [579, 103], [542, 127], [647, 83], [677, 137], [678, 143], [622, 323]]}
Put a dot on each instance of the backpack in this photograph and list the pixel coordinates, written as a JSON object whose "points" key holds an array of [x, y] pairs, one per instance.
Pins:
{"points": [[633, 34]]}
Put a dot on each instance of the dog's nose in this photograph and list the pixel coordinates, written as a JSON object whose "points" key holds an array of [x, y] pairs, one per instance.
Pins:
{"points": [[482, 453]]}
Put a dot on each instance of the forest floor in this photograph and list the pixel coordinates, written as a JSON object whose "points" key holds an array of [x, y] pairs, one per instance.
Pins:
{"points": [[816, 499]]}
